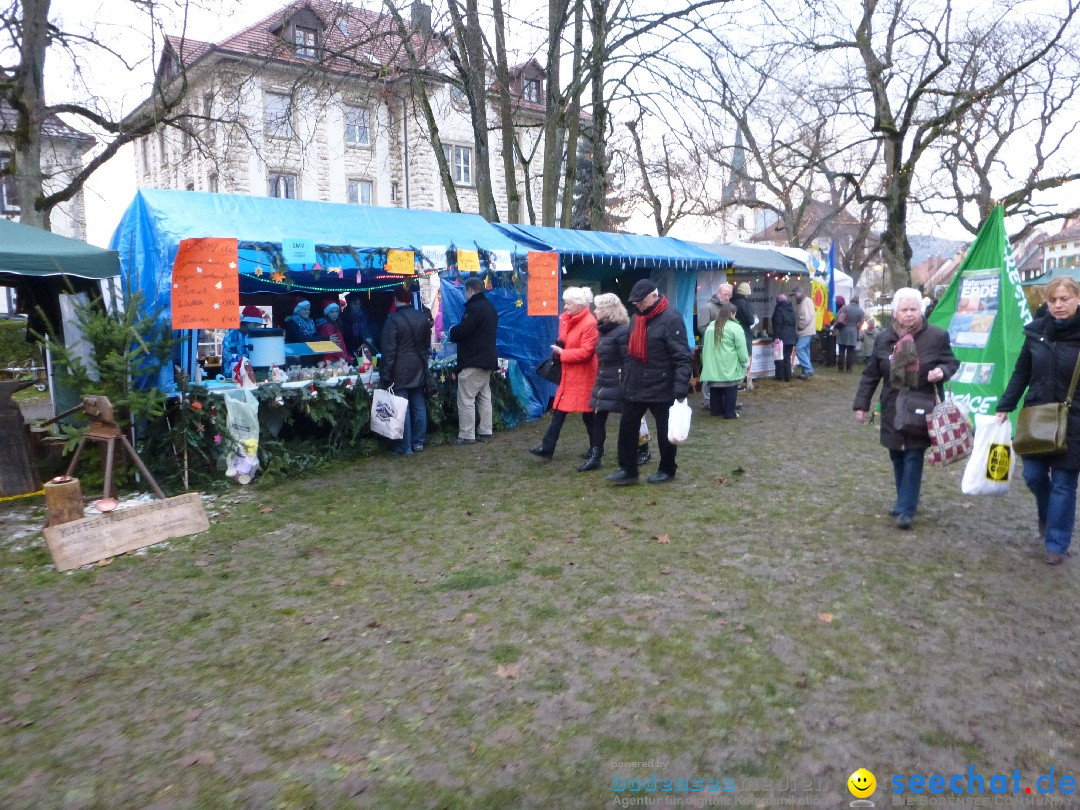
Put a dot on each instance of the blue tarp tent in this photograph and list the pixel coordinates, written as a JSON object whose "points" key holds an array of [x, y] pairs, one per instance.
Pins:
{"points": [[594, 255], [348, 236]]}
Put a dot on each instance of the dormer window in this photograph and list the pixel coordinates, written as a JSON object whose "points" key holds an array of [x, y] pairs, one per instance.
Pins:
{"points": [[531, 90], [306, 41]]}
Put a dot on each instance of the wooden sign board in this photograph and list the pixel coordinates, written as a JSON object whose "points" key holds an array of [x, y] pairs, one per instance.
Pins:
{"points": [[100, 536]]}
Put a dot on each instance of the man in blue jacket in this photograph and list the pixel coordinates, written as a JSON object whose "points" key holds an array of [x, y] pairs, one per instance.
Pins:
{"points": [[656, 373], [477, 358]]}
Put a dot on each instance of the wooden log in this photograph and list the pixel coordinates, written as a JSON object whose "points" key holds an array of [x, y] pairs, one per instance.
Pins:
{"points": [[63, 501]]}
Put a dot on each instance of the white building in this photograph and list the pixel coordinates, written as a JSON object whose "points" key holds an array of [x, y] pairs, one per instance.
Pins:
{"points": [[315, 102]]}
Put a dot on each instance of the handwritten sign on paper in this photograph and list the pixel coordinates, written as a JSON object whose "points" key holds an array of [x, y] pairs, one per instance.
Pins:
{"points": [[400, 262], [297, 252], [468, 261], [543, 283], [206, 285]]}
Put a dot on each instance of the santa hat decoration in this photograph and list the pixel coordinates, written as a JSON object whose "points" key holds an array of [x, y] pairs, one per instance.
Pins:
{"points": [[251, 314]]}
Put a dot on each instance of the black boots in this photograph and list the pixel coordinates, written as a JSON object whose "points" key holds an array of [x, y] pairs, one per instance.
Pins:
{"points": [[643, 455], [592, 462]]}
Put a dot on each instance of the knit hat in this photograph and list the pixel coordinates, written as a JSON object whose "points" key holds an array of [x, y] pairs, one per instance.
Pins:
{"points": [[300, 305], [330, 307], [402, 296], [743, 288], [642, 289], [251, 314]]}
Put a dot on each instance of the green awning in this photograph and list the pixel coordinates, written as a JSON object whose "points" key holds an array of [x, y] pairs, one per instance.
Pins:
{"points": [[27, 251]]}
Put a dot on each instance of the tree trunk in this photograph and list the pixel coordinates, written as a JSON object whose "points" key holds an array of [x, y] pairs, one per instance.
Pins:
{"points": [[506, 113], [599, 191], [553, 121], [472, 38], [28, 99], [573, 118], [895, 248]]}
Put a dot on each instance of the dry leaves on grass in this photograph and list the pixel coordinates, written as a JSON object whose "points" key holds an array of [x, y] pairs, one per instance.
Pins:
{"points": [[266, 510], [338, 582], [825, 617], [663, 539], [506, 671]]}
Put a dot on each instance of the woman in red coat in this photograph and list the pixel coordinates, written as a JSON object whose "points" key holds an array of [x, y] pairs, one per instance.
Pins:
{"points": [[577, 351]]}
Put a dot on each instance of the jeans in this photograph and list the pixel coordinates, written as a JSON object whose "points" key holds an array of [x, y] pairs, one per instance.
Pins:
{"points": [[629, 430], [1055, 497], [802, 354], [551, 437], [415, 420], [907, 470]]}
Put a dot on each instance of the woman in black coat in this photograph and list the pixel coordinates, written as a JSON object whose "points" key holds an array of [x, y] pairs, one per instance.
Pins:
{"points": [[611, 323], [783, 328], [1045, 368], [911, 358]]}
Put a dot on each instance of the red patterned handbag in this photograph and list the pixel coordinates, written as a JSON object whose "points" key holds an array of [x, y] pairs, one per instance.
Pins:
{"points": [[951, 436]]}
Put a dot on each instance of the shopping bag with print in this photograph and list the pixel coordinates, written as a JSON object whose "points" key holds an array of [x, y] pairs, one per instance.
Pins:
{"points": [[993, 462], [951, 436], [388, 413]]}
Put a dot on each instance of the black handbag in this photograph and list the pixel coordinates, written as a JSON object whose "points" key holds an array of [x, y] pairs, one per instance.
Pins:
{"points": [[550, 370], [1042, 430], [912, 408]]}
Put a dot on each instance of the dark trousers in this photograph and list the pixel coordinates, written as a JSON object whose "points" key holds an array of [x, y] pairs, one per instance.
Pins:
{"points": [[783, 365], [847, 357], [828, 348], [629, 425], [551, 438], [599, 429], [722, 400]]}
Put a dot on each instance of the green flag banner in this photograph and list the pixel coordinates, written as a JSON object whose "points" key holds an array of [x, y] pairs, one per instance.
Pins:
{"points": [[984, 311]]}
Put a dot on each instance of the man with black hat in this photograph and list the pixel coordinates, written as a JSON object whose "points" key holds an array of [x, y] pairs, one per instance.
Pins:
{"points": [[656, 373]]}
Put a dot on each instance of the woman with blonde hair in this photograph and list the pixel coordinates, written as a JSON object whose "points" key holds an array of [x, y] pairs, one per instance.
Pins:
{"points": [[576, 349], [612, 325], [1045, 369], [724, 361], [911, 359]]}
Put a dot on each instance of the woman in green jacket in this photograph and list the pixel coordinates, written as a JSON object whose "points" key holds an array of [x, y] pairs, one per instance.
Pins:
{"points": [[724, 361]]}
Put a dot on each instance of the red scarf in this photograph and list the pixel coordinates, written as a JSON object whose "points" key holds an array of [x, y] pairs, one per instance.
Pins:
{"points": [[638, 348]]}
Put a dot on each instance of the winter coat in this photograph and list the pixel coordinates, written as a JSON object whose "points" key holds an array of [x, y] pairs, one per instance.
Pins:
{"points": [[727, 362], [610, 354], [848, 334], [744, 313], [406, 348], [475, 334], [331, 331], [709, 314], [932, 346], [1045, 368], [805, 317], [579, 336], [665, 375], [783, 323]]}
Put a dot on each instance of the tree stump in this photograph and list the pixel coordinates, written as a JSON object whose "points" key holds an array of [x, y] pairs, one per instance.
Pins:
{"points": [[63, 501]]}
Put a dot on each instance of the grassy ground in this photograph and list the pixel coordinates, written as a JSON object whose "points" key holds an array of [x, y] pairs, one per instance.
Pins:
{"points": [[473, 627]]}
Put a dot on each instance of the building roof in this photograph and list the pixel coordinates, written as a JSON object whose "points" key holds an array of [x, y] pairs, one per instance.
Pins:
{"points": [[52, 128], [350, 36], [836, 221]]}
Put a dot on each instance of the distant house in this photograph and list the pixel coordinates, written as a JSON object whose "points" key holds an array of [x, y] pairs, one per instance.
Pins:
{"points": [[1062, 250], [315, 102], [62, 151]]}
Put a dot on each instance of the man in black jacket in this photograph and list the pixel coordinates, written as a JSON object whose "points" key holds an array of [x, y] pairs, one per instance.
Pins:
{"points": [[477, 358], [406, 349], [656, 373]]}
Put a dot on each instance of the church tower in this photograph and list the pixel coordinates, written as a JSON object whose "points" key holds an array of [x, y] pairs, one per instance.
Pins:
{"points": [[738, 222]]}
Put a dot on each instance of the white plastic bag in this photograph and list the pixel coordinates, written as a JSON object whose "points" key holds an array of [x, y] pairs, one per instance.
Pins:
{"points": [[242, 424], [678, 424], [993, 462], [388, 413]]}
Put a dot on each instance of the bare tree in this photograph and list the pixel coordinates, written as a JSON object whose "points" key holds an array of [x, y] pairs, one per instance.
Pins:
{"points": [[33, 36]]}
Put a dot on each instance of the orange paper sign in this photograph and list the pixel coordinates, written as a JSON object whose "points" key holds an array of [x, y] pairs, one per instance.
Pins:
{"points": [[206, 285], [400, 262], [543, 283]]}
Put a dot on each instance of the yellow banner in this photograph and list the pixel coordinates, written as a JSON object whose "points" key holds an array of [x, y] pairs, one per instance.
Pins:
{"points": [[819, 294], [468, 261], [400, 262]]}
